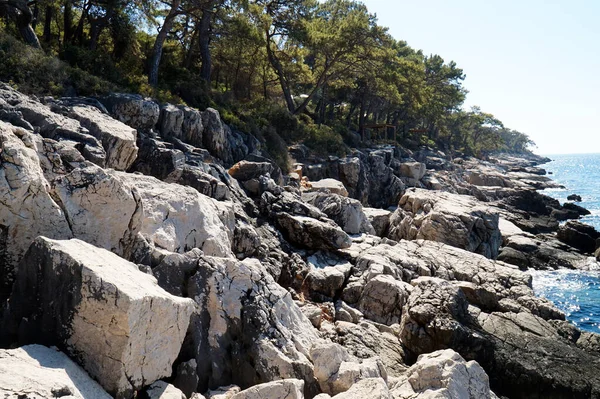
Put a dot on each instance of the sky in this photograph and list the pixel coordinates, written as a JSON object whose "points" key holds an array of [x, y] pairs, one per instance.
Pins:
{"points": [[534, 64]]}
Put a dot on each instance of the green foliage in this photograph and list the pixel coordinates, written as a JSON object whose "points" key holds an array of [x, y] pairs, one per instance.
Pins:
{"points": [[324, 140], [297, 71], [31, 71]]}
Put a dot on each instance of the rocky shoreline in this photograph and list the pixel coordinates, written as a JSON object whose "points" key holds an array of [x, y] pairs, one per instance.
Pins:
{"points": [[151, 250]]}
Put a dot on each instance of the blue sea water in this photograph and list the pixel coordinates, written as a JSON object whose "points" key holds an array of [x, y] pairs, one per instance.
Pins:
{"points": [[577, 293]]}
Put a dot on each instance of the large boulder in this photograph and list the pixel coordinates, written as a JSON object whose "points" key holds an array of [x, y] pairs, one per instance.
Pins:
{"points": [[133, 110], [246, 170], [312, 233], [118, 139], [116, 321], [379, 219], [372, 388], [163, 390], [35, 371], [284, 389], [336, 370], [109, 209], [453, 219], [382, 299], [510, 344], [170, 122], [248, 330], [214, 136], [413, 170], [192, 126], [29, 113], [447, 374], [331, 185], [578, 235], [27, 209], [346, 212]]}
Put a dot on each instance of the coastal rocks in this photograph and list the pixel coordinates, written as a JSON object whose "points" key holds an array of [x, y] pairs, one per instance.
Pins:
{"points": [[35, 371], [574, 197], [108, 226], [336, 370], [27, 209], [578, 235], [332, 185], [214, 135], [509, 344], [118, 139], [434, 315], [248, 330], [413, 170], [163, 390], [328, 280], [379, 219], [382, 299], [158, 159], [345, 212], [178, 218], [170, 121], [460, 221], [409, 260], [133, 110], [246, 170], [372, 388], [312, 233], [385, 188], [284, 389], [192, 126], [367, 340], [28, 114], [447, 374], [121, 326]]}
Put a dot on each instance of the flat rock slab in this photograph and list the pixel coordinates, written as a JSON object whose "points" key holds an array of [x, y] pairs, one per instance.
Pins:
{"points": [[118, 139], [116, 321], [38, 372]]}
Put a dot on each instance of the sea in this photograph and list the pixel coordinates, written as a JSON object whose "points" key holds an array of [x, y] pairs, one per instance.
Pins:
{"points": [[577, 293]]}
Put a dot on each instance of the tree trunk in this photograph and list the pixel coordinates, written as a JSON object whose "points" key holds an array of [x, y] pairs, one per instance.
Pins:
{"points": [[189, 56], [23, 20], [48, 24], [160, 41], [67, 22], [204, 42], [274, 61]]}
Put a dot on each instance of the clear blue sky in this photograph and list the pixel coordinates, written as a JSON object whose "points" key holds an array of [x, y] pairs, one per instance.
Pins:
{"points": [[534, 64]]}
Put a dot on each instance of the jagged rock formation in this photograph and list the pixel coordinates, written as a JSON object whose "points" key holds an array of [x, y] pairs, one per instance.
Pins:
{"points": [[169, 257]]}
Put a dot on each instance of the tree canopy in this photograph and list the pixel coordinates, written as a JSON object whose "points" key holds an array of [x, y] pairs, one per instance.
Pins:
{"points": [[303, 70]]}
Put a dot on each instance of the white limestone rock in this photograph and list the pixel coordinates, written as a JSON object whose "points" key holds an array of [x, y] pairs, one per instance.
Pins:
{"points": [[163, 390], [336, 370], [109, 209], [383, 298], [413, 170], [118, 139], [334, 186], [178, 218], [372, 388], [38, 372], [248, 330], [457, 220], [282, 389], [27, 209], [116, 321], [379, 219], [133, 110], [444, 374]]}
